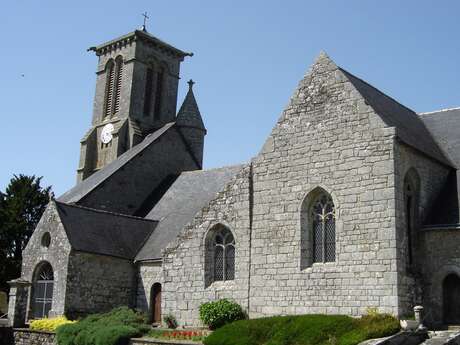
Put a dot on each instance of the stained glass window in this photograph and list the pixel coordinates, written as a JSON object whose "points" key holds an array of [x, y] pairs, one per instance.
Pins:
{"points": [[323, 228], [224, 255]]}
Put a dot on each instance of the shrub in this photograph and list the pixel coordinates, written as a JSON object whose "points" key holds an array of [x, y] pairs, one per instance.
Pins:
{"points": [[170, 321], [49, 324], [112, 328], [218, 313], [304, 330]]}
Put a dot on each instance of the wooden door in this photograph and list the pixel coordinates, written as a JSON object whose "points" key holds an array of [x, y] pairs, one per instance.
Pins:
{"points": [[451, 299], [156, 303]]}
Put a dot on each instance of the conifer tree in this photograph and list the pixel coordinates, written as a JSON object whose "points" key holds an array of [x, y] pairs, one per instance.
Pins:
{"points": [[21, 207]]}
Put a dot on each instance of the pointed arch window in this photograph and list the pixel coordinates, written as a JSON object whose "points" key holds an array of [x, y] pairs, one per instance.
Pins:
{"points": [[323, 227], [318, 233], [42, 293], [220, 255]]}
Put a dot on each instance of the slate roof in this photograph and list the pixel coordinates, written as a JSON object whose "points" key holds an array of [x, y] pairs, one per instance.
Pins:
{"points": [[445, 128], [189, 115], [409, 127], [190, 192], [106, 233], [90, 183]]}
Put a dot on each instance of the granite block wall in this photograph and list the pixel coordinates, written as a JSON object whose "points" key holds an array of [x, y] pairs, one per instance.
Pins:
{"points": [[327, 137], [432, 177], [441, 257], [98, 283], [185, 286], [149, 273]]}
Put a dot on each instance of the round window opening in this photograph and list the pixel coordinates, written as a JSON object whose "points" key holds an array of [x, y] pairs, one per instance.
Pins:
{"points": [[46, 239]]}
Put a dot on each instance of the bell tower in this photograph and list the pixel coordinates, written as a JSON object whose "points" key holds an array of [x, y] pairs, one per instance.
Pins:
{"points": [[136, 93]]}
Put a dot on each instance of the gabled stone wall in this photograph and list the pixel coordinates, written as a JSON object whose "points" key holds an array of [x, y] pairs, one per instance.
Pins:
{"points": [[327, 137], [56, 254]]}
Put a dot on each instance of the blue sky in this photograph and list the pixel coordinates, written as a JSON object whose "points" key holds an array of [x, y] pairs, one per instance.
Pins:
{"points": [[249, 57]]}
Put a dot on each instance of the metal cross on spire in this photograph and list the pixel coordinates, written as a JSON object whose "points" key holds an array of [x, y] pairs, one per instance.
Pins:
{"points": [[145, 20]]}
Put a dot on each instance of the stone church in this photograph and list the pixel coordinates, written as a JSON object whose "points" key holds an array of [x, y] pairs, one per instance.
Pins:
{"points": [[351, 203]]}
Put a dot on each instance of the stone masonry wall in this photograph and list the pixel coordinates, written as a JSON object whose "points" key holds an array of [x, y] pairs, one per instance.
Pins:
{"points": [[56, 254], [327, 137], [184, 286], [432, 177], [98, 283], [441, 254], [149, 273], [29, 337]]}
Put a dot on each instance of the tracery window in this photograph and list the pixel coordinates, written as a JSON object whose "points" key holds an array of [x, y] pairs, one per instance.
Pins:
{"points": [[220, 255], [323, 228], [317, 228], [42, 294]]}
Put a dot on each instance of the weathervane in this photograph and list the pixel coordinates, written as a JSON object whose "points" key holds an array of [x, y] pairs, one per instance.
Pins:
{"points": [[145, 20]]}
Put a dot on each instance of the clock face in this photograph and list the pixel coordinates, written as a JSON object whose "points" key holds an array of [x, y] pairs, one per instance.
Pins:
{"points": [[106, 134]]}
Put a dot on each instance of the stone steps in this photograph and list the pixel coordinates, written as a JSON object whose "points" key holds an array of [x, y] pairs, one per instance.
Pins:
{"points": [[448, 337]]}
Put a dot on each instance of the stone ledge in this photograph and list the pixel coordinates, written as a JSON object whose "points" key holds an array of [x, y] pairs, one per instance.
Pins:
{"points": [[154, 341], [28, 330]]}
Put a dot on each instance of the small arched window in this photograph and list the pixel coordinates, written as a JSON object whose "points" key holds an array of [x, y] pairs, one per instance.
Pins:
{"points": [[411, 187], [317, 220], [220, 255], [42, 293]]}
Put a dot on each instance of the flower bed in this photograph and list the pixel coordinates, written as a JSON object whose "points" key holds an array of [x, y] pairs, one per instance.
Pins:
{"points": [[193, 335]]}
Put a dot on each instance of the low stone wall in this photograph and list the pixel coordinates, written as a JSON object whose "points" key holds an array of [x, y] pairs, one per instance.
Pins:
{"points": [[25, 336], [152, 341]]}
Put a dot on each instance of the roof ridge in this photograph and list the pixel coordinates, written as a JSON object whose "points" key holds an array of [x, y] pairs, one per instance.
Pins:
{"points": [[213, 169], [139, 148], [104, 211], [438, 111]]}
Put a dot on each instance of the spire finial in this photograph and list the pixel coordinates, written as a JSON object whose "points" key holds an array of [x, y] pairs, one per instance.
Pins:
{"points": [[190, 84], [144, 28]]}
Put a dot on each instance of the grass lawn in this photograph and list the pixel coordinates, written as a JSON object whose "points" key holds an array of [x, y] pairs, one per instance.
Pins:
{"points": [[304, 330]]}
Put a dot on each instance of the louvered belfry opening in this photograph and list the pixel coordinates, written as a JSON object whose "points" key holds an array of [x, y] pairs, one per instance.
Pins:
{"points": [[148, 91], [109, 86], [323, 228], [158, 93], [118, 84], [42, 291], [114, 82]]}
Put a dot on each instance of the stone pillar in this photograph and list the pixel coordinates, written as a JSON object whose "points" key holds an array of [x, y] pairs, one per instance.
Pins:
{"points": [[17, 306]]}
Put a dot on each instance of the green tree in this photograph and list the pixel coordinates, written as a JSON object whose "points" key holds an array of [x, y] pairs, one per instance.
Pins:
{"points": [[21, 207]]}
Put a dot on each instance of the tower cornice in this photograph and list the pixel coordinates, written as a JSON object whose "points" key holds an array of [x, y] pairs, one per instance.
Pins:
{"points": [[134, 36]]}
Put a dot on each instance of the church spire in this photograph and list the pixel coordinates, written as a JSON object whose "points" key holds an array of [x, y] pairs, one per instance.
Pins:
{"points": [[191, 125], [189, 114]]}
